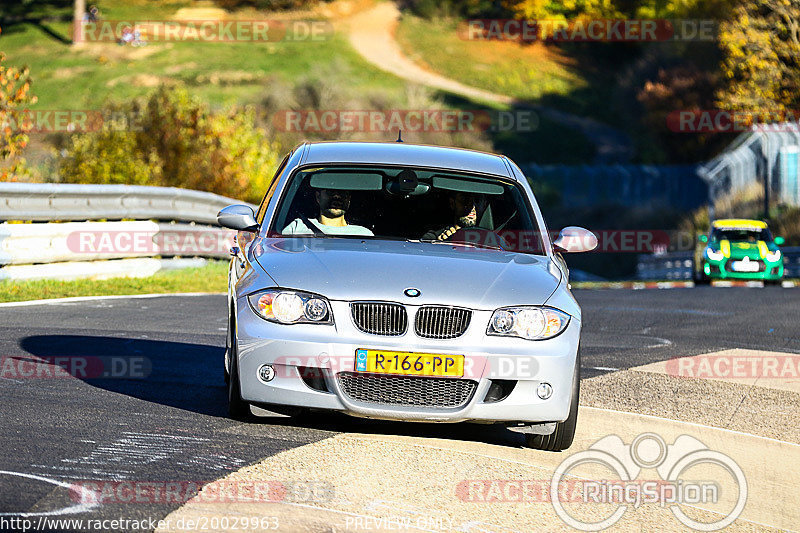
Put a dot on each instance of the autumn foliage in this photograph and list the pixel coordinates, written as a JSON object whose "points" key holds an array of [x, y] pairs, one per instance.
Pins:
{"points": [[15, 94]]}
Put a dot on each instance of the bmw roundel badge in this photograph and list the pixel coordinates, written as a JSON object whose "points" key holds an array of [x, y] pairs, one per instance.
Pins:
{"points": [[411, 292]]}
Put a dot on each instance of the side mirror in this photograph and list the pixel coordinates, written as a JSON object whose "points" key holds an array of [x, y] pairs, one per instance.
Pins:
{"points": [[238, 217], [573, 239], [779, 241], [703, 238]]}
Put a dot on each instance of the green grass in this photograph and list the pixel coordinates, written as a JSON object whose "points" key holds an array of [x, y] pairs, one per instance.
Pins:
{"points": [[527, 72], [562, 77], [209, 278], [220, 73]]}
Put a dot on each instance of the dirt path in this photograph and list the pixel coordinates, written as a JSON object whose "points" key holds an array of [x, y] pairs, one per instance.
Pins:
{"points": [[372, 35]]}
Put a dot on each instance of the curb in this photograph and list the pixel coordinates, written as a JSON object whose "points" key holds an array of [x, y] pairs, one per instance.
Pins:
{"points": [[638, 285], [632, 285]]}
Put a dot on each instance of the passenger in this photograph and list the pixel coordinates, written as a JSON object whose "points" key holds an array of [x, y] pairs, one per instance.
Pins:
{"points": [[333, 204], [466, 208]]}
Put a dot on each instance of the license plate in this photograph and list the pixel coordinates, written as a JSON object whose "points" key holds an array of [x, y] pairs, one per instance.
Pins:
{"points": [[745, 266], [409, 363]]}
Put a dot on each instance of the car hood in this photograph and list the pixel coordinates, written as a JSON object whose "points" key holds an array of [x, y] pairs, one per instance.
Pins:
{"points": [[354, 269], [751, 250]]}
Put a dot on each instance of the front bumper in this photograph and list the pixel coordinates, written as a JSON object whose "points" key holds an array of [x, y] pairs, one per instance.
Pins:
{"points": [[723, 270], [331, 349]]}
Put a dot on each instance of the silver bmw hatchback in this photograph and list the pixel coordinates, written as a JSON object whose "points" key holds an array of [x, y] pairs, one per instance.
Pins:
{"points": [[404, 282]]}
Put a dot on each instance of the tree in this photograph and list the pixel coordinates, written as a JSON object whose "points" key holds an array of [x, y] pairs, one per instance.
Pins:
{"points": [[761, 47], [15, 85], [77, 22]]}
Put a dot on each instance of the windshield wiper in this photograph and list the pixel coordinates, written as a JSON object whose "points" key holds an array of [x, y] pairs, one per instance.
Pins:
{"points": [[463, 243]]}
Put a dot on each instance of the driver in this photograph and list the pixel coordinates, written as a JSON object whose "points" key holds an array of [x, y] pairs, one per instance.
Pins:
{"points": [[466, 208], [333, 204]]}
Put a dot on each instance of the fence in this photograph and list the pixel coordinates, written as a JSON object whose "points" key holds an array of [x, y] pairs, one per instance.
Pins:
{"points": [[677, 186], [106, 230], [757, 156]]}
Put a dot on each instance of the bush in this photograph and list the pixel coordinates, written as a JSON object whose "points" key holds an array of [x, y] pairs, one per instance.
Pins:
{"points": [[171, 139]]}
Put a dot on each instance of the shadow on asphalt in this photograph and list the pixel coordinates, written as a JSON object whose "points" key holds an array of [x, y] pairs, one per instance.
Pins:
{"points": [[176, 374], [189, 376]]}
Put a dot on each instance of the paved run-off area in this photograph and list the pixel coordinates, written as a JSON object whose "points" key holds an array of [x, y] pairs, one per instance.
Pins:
{"points": [[333, 473]]}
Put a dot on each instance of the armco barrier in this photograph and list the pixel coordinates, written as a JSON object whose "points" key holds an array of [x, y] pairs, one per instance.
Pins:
{"points": [[87, 241], [150, 222], [66, 201], [679, 265], [668, 266]]}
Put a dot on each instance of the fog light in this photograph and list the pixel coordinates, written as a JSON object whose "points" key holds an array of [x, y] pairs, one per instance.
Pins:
{"points": [[544, 390], [266, 373]]}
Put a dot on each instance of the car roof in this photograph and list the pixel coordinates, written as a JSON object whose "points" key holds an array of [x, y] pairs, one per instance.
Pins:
{"points": [[401, 153], [739, 223]]}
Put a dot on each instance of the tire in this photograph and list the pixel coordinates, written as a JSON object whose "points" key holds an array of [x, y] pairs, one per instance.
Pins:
{"points": [[564, 434], [700, 278], [238, 409]]}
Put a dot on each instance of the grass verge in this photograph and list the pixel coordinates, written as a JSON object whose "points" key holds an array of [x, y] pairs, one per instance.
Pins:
{"points": [[209, 278], [221, 73], [524, 71], [536, 72]]}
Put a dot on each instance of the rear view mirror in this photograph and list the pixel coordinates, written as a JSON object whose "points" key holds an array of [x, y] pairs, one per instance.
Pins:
{"points": [[573, 239], [703, 238], [238, 217], [780, 241]]}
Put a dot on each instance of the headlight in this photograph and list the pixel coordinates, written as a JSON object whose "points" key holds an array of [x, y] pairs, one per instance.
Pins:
{"points": [[534, 323], [291, 307], [773, 256], [714, 255]]}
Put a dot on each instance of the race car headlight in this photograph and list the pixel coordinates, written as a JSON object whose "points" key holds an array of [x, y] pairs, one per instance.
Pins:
{"points": [[533, 323], [714, 255], [773, 256], [291, 307]]}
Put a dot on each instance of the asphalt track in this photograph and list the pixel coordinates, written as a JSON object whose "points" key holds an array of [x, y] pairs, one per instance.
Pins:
{"points": [[171, 425]]}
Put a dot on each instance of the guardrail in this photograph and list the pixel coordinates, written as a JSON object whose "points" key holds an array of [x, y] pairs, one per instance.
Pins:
{"points": [[680, 265], [67, 201], [167, 222]]}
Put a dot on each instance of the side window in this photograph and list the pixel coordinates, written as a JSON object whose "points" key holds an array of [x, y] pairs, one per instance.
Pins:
{"points": [[262, 209]]}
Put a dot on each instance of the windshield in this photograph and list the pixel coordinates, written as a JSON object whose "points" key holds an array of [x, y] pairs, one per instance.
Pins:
{"points": [[408, 204], [741, 235]]}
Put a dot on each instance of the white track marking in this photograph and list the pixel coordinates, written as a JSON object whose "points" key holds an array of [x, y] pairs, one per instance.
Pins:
{"points": [[78, 299], [109, 461], [88, 498]]}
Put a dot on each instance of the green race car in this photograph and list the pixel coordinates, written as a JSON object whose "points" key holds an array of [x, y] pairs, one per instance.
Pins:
{"points": [[739, 249]]}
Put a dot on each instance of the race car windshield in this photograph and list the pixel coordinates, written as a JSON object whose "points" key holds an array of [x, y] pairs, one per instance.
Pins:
{"points": [[742, 235], [407, 204]]}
